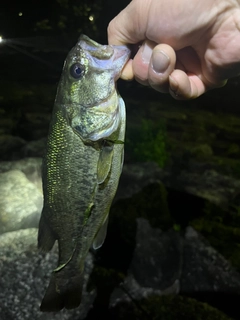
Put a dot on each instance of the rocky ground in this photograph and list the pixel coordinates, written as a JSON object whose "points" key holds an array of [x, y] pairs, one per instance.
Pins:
{"points": [[172, 250], [146, 256]]}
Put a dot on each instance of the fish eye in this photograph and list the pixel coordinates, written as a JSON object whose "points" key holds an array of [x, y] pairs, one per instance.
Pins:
{"points": [[77, 70]]}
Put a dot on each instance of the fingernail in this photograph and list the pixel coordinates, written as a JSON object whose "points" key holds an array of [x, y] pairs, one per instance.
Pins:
{"points": [[160, 61], [146, 53]]}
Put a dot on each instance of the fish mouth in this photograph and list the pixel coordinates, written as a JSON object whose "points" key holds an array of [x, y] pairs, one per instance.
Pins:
{"points": [[121, 52], [108, 56], [121, 55], [95, 49]]}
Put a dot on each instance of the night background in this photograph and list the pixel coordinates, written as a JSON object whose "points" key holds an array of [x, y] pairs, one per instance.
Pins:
{"points": [[173, 245]]}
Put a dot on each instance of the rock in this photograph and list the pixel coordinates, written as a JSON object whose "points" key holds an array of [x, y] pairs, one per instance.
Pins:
{"points": [[155, 266], [24, 276], [151, 259], [20, 202], [201, 151], [166, 307], [211, 185], [6, 124], [10, 147], [31, 167], [204, 269], [233, 149], [167, 263], [35, 148], [33, 124], [231, 133], [136, 176], [201, 181], [13, 147], [205, 182]]}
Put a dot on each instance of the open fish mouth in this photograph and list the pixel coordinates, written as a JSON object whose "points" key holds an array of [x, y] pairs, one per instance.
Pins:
{"points": [[107, 56]]}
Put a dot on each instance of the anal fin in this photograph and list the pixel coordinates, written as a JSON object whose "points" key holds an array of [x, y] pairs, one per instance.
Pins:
{"points": [[46, 237]]}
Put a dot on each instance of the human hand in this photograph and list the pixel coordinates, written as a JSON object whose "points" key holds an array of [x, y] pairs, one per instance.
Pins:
{"points": [[187, 47]]}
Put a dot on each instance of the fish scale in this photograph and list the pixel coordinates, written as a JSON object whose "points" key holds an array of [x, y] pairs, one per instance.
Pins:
{"points": [[82, 164]]}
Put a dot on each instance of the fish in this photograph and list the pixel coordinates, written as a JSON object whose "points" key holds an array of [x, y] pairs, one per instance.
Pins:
{"points": [[82, 164]]}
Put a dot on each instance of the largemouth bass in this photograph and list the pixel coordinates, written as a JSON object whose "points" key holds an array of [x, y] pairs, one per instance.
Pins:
{"points": [[82, 165]]}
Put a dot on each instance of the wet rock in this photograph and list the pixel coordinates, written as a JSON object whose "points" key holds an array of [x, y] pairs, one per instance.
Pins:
{"points": [[200, 181], [210, 185], [136, 176], [33, 125], [168, 263], [34, 148], [151, 260], [31, 167], [20, 202], [24, 276], [233, 149], [202, 151], [166, 307], [14, 147], [155, 266], [204, 269], [10, 147], [6, 124]]}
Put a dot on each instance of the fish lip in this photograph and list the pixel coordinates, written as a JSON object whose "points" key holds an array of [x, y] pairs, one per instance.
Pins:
{"points": [[120, 57], [95, 49], [117, 51], [121, 52], [112, 57], [86, 40]]}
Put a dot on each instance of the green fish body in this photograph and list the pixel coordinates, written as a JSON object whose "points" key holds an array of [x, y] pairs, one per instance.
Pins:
{"points": [[82, 165]]}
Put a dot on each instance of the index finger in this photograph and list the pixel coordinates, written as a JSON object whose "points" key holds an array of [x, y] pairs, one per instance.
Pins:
{"points": [[128, 26]]}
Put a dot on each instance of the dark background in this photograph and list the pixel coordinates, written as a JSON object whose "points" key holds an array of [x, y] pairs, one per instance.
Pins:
{"points": [[38, 34]]}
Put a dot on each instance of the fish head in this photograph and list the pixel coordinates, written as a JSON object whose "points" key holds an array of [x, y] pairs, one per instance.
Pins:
{"points": [[90, 72]]}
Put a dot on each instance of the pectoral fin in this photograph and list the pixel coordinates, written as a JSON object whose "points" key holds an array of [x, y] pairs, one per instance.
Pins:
{"points": [[104, 163], [101, 235]]}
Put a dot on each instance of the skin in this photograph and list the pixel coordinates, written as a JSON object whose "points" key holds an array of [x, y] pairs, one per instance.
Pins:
{"points": [[183, 47]]}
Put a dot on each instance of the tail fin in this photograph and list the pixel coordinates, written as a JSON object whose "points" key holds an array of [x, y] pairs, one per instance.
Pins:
{"points": [[62, 293]]}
